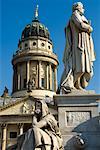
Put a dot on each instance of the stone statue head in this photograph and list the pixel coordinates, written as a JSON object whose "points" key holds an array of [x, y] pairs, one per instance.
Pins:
{"points": [[41, 108], [78, 6]]}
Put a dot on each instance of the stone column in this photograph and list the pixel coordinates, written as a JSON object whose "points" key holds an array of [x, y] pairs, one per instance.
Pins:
{"points": [[13, 78], [20, 128], [4, 136], [50, 70], [27, 72], [39, 74], [47, 77], [18, 81], [55, 79], [18, 77]]}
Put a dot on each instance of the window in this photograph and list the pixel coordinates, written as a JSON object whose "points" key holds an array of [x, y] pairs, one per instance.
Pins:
{"points": [[42, 44], [42, 82], [13, 135], [34, 43], [25, 83], [26, 44], [49, 47], [0, 135]]}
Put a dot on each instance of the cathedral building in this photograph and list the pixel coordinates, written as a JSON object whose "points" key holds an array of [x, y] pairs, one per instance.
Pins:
{"points": [[34, 76]]}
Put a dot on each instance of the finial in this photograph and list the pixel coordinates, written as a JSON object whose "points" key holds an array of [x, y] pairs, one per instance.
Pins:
{"points": [[36, 12]]}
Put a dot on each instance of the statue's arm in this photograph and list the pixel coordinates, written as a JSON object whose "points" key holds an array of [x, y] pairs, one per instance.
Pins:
{"points": [[80, 24], [34, 120], [40, 124]]}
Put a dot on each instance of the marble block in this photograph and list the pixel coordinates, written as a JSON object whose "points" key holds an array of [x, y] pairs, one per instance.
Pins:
{"points": [[79, 120]]}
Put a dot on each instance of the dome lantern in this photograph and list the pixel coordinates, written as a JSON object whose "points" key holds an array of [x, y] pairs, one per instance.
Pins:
{"points": [[36, 13]]}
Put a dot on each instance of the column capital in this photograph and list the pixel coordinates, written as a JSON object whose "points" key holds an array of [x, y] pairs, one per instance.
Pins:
{"points": [[20, 125], [40, 61], [3, 125]]}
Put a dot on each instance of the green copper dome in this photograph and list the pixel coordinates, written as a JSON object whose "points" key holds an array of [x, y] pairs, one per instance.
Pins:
{"points": [[35, 29]]}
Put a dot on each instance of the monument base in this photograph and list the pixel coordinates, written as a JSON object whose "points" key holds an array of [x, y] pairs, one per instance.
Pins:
{"points": [[79, 120]]}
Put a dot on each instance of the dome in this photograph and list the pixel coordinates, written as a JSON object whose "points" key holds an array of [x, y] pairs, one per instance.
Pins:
{"points": [[35, 29], [35, 64]]}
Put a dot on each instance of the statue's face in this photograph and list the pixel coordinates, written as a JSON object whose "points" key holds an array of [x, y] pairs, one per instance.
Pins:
{"points": [[38, 108], [81, 10], [78, 6]]}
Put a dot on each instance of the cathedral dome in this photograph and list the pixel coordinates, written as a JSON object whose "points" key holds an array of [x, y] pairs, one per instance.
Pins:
{"points": [[34, 63], [35, 29]]}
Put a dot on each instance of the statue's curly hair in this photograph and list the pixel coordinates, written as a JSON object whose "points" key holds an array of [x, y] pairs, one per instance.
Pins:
{"points": [[77, 6]]}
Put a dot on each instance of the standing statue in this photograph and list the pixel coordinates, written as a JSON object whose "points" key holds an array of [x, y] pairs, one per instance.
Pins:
{"points": [[44, 134], [79, 51]]}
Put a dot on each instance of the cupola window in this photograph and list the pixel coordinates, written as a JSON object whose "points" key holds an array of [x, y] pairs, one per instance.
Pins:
{"points": [[34, 43], [42, 82], [42, 44], [34, 31], [41, 32], [49, 47], [26, 44]]}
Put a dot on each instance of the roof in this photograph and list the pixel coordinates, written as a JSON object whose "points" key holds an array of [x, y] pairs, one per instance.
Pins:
{"points": [[36, 28]]}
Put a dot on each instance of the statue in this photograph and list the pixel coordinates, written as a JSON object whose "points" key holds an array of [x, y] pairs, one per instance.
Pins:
{"points": [[25, 108], [29, 86], [44, 133], [79, 51], [28, 109]]}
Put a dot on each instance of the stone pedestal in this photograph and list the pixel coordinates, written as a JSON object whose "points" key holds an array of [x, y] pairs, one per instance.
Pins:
{"points": [[79, 120]]}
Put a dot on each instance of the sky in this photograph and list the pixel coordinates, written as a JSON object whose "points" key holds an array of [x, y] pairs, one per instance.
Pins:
{"points": [[54, 14]]}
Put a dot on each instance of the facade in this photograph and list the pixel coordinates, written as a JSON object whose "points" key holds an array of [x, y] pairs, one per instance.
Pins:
{"points": [[34, 76], [16, 118]]}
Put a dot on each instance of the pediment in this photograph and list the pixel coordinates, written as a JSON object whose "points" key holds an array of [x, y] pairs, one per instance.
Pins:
{"points": [[20, 106], [24, 105]]}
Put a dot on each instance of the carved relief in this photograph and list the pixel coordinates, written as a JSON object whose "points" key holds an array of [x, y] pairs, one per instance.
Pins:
{"points": [[28, 108], [34, 70], [42, 71], [33, 73], [75, 118]]}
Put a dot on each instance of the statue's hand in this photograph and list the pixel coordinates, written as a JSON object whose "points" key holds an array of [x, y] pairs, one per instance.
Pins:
{"points": [[90, 29]]}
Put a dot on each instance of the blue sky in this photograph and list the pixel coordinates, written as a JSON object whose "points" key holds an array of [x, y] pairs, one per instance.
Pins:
{"points": [[16, 14]]}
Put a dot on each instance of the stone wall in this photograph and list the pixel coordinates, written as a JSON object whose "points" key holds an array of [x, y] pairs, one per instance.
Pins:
{"points": [[79, 121]]}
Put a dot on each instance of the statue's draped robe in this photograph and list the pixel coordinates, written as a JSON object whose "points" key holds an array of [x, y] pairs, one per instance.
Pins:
{"points": [[79, 51], [47, 136]]}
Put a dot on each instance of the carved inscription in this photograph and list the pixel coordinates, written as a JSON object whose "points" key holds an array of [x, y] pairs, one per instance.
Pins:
{"points": [[75, 118]]}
